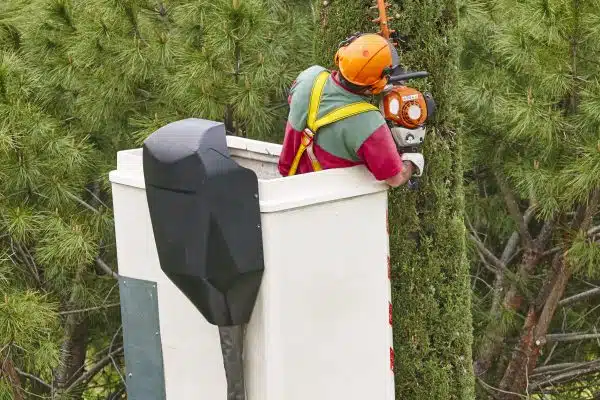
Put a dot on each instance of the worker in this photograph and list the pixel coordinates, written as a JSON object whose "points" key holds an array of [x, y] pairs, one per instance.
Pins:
{"points": [[358, 134]]}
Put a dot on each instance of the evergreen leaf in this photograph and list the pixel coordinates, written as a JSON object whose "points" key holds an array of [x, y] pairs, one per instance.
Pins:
{"points": [[26, 318], [21, 223], [65, 246], [584, 257]]}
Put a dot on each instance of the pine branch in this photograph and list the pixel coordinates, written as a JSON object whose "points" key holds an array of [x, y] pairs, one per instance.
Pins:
{"points": [[511, 244], [493, 337], [100, 263], [116, 394], [494, 391], [513, 209], [29, 261], [94, 370], [95, 194], [571, 337], [594, 230], [551, 252], [33, 377], [108, 349], [82, 202], [579, 297], [487, 265], [487, 253], [89, 309], [567, 375], [551, 368], [484, 252], [545, 234], [112, 342]]}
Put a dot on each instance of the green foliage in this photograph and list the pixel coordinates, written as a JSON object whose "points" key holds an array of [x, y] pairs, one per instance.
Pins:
{"points": [[528, 94], [46, 168], [232, 62], [80, 80], [431, 295], [28, 321], [528, 89], [584, 256], [5, 390]]}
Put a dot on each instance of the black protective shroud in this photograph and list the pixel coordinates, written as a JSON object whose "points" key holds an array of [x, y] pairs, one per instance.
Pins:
{"points": [[205, 215]]}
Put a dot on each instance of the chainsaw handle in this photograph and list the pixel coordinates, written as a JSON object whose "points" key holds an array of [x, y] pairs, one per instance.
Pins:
{"points": [[408, 75], [413, 184]]}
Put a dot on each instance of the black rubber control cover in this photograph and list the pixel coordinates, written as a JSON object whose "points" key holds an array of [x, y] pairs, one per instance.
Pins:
{"points": [[205, 215]]}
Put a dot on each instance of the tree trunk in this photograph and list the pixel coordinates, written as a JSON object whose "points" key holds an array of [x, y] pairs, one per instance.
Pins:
{"points": [[73, 351], [9, 373], [228, 121], [491, 343], [514, 298], [526, 354], [493, 336], [74, 346], [430, 274], [79, 341], [519, 364]]}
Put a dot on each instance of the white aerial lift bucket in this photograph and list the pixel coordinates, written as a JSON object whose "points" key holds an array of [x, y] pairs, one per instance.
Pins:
{"points": [[320, 328]]}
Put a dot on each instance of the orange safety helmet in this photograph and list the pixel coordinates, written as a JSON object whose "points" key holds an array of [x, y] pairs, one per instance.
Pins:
{"points": [[367, 60]]}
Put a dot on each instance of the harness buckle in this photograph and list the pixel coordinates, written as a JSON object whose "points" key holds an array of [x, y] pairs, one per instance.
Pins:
{"points": [[307, 137]]}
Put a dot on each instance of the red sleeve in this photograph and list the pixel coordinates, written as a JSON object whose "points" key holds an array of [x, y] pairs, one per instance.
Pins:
{"points": [[380, 155], [291, 142]]}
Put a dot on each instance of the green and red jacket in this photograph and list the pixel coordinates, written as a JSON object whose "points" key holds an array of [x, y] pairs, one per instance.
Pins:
{"points": [[361, 139]]}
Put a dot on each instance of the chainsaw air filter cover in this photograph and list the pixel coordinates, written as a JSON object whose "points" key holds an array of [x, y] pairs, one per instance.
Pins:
{"points": [[405, 106]]}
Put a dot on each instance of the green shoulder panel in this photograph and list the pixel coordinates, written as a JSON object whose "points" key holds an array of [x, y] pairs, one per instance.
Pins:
{"points": [[344, 138], [334, 97], [300, 92]]}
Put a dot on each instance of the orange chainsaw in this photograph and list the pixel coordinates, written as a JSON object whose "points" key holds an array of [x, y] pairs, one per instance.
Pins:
{"points": [[405, 109]]}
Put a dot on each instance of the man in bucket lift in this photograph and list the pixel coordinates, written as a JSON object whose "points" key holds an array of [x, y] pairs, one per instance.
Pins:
{"points": [[351, 131]]}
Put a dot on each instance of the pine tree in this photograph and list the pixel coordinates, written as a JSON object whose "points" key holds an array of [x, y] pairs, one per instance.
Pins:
{"points": [[64, 118], [530, 91], [233, 61], [103, 62], [80, 80], [50, 239], [28, 313], [431, 294]]}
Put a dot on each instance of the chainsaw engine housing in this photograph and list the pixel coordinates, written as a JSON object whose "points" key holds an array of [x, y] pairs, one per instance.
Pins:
{"points": [[405, 106], [406, 110]]}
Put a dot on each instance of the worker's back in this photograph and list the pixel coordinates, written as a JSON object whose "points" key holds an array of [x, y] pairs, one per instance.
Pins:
{"points": [[358, 139]]}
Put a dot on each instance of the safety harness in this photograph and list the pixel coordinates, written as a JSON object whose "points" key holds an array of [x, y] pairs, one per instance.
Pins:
{"points": [[314, 124]]}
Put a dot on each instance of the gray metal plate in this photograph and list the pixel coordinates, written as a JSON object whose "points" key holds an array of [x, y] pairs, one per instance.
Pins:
{"points": [[141, 335]]}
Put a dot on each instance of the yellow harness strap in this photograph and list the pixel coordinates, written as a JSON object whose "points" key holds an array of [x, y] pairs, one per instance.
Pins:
{"points": [[314, 124]]}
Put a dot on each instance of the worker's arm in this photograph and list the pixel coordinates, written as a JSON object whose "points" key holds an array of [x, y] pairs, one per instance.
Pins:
{"points": [[291, 142], [403, 176], [381, 157]]}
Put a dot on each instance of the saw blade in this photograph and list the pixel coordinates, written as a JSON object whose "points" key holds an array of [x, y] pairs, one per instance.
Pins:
{"points": [[383, 20]]}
